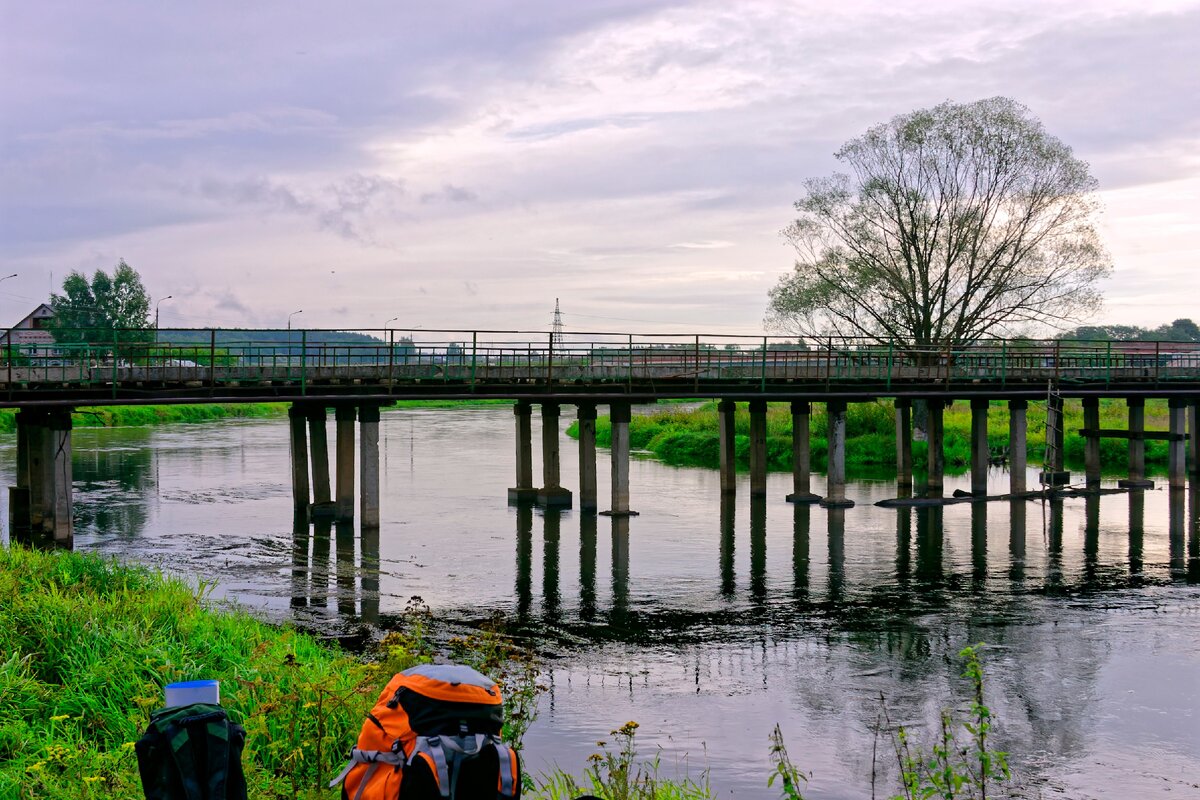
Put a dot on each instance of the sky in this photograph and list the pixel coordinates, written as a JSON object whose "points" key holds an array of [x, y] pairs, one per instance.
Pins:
{"points": [[462, 165]]}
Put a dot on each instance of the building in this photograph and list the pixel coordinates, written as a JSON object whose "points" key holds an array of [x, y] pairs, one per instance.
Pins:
{"points": [[32, 333]]}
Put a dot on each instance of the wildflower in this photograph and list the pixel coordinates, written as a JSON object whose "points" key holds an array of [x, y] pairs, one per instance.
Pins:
{"points": [[36, 767], [92, 778], [310, 704], [60, 717]]}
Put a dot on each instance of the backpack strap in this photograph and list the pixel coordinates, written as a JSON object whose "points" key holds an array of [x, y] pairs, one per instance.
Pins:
{"points": [[372, 757], [217, 731], [178, 732], [508, 767], [431, 747]]}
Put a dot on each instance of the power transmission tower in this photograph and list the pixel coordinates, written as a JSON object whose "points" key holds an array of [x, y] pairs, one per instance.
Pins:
{"points": [[556, 328]]}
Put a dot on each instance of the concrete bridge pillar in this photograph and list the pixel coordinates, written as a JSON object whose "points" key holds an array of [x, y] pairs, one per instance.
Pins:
{"points": [[41, 502], [979, 446], [619, 415], [904, 464], [1018, 429], [1137, 445], [345, 416], [552, 494], [727, 416], [758, 448], [1177, 446], [524, 491], [318, 446], [586, 415], [835, 494], [368, 466], [298, 425], [1091, 444], [1194, 437], [801, 455], [936, 436]]}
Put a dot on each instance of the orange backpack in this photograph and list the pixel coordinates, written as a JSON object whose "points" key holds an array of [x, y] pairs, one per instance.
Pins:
{"points": [[433, 733]]}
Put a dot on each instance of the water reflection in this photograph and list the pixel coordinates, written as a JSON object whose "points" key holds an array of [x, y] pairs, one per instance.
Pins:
{"points": [[587, 567], [620, 571], [903, 546], [728, 521], [1016, 540], [930, 570], [758, 550], [352, 576], [1091, 540], [551, 534], [979, 531], [1176, 524], [1137, 517], [837, 555], [1052, 509], [800, 546], [524, 587]]}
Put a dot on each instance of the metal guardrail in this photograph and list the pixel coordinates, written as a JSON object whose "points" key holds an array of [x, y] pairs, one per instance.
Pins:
{"points": [[210, 358]]}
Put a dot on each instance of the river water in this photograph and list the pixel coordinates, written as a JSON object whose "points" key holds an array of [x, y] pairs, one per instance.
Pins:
{"points": [[710, 622]]}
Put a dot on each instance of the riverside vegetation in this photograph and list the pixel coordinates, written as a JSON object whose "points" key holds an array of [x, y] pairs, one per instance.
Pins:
{"points": [[691, 437], [88, 645]]}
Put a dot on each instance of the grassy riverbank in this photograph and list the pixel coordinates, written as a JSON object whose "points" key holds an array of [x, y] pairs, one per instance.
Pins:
{"points": [[122, 416], [690, 438], [87, 645]]}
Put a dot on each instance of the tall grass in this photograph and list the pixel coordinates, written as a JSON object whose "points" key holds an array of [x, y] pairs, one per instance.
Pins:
{"points": [[691, 437], [88, 646], [122, 416]]}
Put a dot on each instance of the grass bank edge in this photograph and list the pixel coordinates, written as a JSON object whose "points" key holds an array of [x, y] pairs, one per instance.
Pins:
{"points": [[690, 438]]}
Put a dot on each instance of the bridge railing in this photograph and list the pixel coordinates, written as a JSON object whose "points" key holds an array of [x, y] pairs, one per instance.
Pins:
{"points": [[391, 356]]}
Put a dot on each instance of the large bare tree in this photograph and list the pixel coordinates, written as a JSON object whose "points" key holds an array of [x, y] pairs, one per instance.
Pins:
{"points": [[955, 222]]}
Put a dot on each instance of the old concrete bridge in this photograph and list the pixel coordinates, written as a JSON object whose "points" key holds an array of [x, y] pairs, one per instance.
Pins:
{"points": [[356, 375]]}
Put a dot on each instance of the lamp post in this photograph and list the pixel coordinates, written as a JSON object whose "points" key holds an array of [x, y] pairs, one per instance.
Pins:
{"points": [[156, 305], [6, 277], [289, 327]]}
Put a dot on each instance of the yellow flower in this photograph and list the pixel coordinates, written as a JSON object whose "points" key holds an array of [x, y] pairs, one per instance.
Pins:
{"points": [[35, 767], [60, 717], [310, 704], [128, 745], [92, 778]]}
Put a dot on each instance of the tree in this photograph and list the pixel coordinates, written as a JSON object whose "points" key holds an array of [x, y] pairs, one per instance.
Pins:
{"points": [[957, 222], [92, 311]]}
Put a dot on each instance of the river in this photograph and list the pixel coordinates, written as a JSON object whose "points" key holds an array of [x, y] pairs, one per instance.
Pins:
{"points": [[709, 622]]}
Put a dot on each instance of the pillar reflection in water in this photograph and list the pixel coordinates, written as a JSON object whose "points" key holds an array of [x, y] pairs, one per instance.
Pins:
{"points": [[300, 565], [837, 553], [1091, 540], [319, 588], [903, 546], [801, 523], [587, 567], [758, 549], [1137, 517], [551, 536], [728, 518], [1193, 525], [929, 546], [1176, 524], [979, 556], [370, 575], [524, 587], [345, 568], [1053, 509], [1017, 521], [620, 569]]}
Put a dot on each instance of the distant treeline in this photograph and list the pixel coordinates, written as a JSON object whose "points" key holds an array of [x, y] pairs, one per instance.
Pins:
{"points": [[1181, 330]]}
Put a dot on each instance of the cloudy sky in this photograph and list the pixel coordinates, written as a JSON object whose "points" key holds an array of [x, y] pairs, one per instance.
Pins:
{"points": [[462, 164]]}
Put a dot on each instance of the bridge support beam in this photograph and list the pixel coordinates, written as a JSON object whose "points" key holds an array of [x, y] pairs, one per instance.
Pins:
{"points": [[524, 491], [980, 456], [1137, 446], [1091, 445], [318, 446], [345, 416], [552, 494], [727, 417], [41, 503], [835, 493], [758, 448], [368, 465], [936, 436], [619, 415], [904, 463], [1177, 446], [298, 426], [1018, 434], [801, 455], [1194, 437], [586, 415], [1055, 473]]}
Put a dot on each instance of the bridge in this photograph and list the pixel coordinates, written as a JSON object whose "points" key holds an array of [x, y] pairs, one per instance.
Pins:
{"points": [[358, 373]]}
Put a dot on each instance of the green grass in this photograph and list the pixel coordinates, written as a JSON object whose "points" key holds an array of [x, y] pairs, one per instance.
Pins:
{"points": [[124, 416], [87, 645], [691, 438]]}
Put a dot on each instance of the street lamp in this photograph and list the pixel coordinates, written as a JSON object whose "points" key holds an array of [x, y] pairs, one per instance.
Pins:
{"points": [[156, 305], [6, 277], [294, 313]]}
